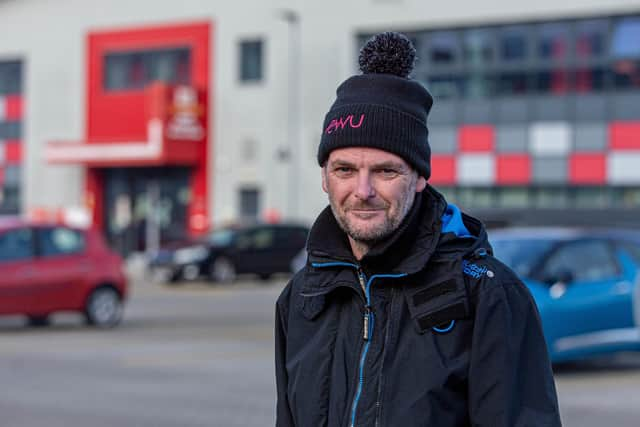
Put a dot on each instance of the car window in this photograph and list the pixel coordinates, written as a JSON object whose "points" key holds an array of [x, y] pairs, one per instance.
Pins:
{"points": [[16, 245], [633, 249], [264, 238], [521, 255], [244, 239], [291, 237], [221, 237], [588, 260], [60, 241]]}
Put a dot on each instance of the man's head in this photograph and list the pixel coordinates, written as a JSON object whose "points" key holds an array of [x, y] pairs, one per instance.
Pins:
{"points": [[370, 191], [374, 148]]}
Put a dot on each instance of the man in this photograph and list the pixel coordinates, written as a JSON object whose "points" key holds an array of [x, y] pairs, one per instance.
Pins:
{"points": [[401, 316]]}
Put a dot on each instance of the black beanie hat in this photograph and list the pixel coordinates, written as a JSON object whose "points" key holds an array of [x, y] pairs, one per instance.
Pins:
{"points": [[382, 108]]}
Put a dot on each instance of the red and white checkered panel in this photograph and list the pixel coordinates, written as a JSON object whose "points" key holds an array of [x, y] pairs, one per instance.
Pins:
{"points": [[10, 108], [552, 148]]}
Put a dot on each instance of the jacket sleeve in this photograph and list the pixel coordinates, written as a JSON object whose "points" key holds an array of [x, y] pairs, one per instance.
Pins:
{"points": [[283, 411], [510, 378]]}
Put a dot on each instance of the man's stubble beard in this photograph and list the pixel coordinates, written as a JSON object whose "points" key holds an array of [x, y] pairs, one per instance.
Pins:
{"points": [[373, 235]]}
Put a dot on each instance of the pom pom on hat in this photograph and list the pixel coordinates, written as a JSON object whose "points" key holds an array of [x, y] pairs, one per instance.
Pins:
{"points": [[388, 53]]}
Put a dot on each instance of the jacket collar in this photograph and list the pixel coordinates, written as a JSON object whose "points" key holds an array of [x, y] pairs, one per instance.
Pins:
{"points": [[405, 251]]}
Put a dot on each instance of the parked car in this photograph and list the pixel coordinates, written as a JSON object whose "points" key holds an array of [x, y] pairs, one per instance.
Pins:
{"points": [[263, 249], [47, 268], [585, 284]]}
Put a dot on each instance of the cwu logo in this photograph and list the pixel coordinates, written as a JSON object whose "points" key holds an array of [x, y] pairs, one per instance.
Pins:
{"points": [[473, 270], [342, 122]]}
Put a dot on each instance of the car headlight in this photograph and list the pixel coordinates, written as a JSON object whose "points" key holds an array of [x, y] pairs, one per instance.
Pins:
{"points": [[190, 254]]}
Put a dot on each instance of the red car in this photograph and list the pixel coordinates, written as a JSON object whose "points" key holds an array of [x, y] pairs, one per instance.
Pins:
{"points": [[46, 268]]}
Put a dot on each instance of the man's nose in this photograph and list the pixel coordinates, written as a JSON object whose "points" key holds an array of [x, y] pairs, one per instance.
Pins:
{"points": [[365, 188]]}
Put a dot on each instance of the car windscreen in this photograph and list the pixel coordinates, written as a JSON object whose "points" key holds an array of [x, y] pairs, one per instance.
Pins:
{"points": [[521, 254], [222, 237]]}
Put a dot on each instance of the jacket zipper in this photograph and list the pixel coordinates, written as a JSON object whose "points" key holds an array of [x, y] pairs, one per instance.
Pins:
{"points": [[367, 334], [384, 352], [367, 329]]}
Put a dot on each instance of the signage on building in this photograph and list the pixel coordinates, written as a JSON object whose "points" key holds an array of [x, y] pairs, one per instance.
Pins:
{"points": [[185, 115]]}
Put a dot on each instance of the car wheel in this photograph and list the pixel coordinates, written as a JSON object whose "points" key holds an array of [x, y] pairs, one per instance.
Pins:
{"points": [[104, 307], [190, 272], [39, 321], [223, 270], [265, 276]]}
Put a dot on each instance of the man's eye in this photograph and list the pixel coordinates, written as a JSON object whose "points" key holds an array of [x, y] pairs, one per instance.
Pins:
{"points": [[388, 172], [343, 169]]}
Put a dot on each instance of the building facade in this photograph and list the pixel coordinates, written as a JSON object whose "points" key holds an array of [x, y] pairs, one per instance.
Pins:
{"points": [[537, 107]]}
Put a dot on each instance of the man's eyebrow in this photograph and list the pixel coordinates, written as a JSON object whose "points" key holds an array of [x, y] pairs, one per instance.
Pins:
{"points": [[341, 163], [389, 165]]}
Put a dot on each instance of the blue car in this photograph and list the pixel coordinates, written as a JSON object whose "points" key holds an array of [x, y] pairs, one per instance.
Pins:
{"points": [[585, 283]]}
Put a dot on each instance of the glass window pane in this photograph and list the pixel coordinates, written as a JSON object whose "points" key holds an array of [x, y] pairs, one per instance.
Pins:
{"points": [[626, 73], [61, 241], [251, 60], [591, 37], [551, 197], [554, 81], [587, 79], [10, 77], [519, 254], [9, 200], [478, 47], [476, 197], [444, 48], [446, 86], [16, 245], [249, 203], [586, 261], [135, 70], [479, 85], [513, 43], [516, 197], [514, 82], [625, 41], [591, 197], [553, 41]]}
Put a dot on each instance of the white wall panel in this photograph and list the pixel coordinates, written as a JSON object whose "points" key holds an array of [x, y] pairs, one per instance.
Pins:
{"points": [[476, 169], [550, 138], [623, 167]]}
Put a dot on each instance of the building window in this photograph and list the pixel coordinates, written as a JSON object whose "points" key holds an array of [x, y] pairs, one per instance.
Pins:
{"points": [[513, 42], [625, 51], [11, 146], [134, 70], [249, 204], [251, 60]]}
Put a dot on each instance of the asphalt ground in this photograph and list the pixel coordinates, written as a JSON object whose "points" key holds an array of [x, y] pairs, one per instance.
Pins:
{"points": [[202, 355]]}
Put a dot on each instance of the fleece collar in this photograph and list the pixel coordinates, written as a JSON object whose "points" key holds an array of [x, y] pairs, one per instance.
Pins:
{"points": [[405, 251]]}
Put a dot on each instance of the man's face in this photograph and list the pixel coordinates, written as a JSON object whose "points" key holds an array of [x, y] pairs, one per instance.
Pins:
{"points": [[370, 191]]}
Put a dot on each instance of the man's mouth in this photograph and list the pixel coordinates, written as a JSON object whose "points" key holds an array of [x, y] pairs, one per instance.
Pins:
{"points": [[365, 213]]}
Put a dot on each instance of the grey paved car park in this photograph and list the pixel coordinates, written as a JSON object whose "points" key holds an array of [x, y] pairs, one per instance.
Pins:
{"points": [[202, 355]]}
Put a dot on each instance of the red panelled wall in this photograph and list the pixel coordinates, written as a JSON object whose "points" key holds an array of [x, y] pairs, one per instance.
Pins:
{"points": [[120, 116]]}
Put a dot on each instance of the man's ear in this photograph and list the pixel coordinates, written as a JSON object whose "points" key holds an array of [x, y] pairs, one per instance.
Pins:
{"points": [[421, 184], [323, 172]]}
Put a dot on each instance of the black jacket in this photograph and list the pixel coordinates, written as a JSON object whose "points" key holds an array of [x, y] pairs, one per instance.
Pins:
{"points": [[442, 335]]}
